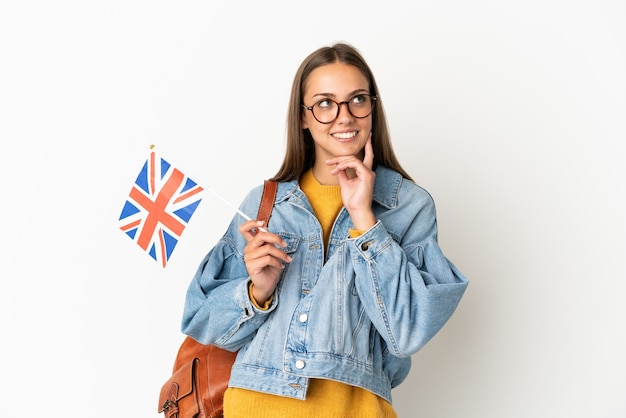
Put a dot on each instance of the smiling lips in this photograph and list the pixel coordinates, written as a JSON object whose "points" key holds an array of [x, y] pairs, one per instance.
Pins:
{"points": [[344, 135]]}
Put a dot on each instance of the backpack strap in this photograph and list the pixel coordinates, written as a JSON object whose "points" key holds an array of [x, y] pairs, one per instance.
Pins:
{"points": [[267, 201]]}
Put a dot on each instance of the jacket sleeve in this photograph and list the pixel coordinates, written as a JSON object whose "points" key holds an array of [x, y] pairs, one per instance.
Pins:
{"points": [[408, 288]]}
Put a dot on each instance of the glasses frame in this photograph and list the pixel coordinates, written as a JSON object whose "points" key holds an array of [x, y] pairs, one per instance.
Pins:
{"points": [[347, 103]]}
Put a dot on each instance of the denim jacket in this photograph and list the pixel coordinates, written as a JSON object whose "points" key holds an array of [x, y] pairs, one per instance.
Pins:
{"points": [[355, 314]]}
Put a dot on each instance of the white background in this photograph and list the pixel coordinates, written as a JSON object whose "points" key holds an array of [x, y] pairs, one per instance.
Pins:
{"points": [[510, 113]]}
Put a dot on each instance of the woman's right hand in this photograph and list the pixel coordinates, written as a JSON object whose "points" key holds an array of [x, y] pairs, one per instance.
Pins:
{"points": [[264, 259]]}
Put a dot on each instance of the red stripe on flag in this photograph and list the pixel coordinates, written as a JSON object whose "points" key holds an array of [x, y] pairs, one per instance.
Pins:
{"points": [[156, 210], [130, 225], [152, 167], [188, 194], [162, 241]]}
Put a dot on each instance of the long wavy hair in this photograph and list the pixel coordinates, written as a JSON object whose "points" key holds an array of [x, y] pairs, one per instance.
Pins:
{"points": [[300, 152]]}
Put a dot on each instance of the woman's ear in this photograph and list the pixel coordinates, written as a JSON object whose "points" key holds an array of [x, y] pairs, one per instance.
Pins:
{"points": [[303, 124]]}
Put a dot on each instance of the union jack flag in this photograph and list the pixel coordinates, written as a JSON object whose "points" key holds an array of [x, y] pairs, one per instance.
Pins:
{"points": [[159, 207]]}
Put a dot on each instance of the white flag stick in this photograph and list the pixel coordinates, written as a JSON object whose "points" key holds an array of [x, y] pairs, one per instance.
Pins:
{"points": [[246, 217]]}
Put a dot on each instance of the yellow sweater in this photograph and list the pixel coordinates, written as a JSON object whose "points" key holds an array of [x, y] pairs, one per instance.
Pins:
{"points": [[325, 398]]}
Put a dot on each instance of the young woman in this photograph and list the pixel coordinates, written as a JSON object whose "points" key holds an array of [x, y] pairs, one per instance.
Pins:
{"points": [[328, 303]]}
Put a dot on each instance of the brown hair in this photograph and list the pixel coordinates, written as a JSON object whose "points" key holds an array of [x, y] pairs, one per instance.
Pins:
{"points": [[300, 153]]}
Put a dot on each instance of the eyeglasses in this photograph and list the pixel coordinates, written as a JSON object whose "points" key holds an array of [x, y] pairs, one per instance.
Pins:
{"points": [[327, 110]]}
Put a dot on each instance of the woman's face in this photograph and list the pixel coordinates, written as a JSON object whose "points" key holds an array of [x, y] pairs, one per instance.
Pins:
{"points": [[347, 134]]}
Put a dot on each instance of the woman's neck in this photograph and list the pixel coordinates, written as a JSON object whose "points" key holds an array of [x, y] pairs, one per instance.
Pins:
{"points": [[322, 173]]}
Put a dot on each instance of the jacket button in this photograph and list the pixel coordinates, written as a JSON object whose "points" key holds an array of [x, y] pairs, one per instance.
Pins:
{"points": [[300, 364], [303, 317], [366, 245]]}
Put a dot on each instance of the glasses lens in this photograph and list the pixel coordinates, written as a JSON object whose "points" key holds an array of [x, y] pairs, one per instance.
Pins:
{"points": [[325, 111], [360, 106]]}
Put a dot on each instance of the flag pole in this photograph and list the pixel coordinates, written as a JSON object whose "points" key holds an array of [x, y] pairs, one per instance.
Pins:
{"points": [[246, 217]]}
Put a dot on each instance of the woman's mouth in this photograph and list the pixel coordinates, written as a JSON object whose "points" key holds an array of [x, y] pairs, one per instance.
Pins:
{"points": [[344, 135]]}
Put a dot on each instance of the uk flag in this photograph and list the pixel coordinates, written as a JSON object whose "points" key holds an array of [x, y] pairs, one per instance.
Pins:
{"points": [[159, 207]]}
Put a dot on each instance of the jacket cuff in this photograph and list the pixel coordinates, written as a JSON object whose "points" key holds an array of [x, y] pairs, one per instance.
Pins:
{"points": [[263, 307], [372, 241]]}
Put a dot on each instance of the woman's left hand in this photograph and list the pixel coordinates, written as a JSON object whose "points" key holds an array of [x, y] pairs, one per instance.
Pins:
{"points": [[356, 179]]}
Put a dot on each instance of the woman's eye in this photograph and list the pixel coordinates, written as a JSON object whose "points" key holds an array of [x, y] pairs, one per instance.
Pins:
{"points": [[358, 99], [323, 103]]}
